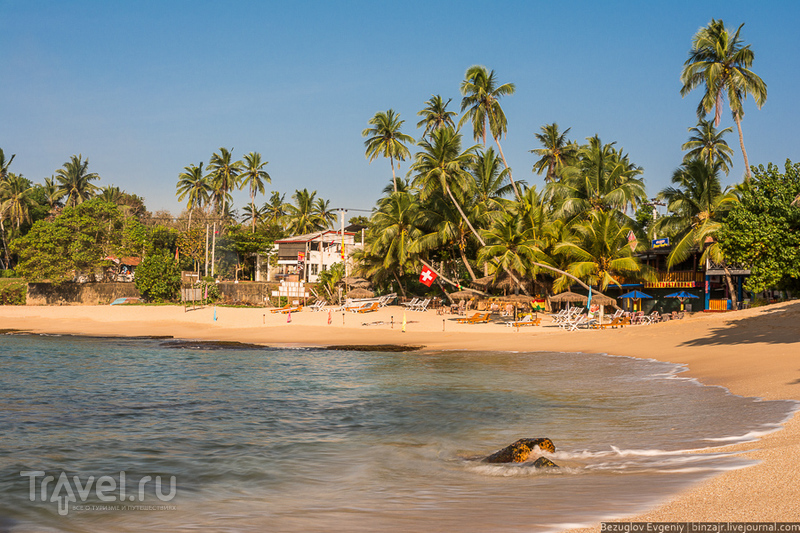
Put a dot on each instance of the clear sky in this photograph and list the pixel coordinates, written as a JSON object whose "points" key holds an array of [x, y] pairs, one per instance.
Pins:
{"points": [[145, 88]]}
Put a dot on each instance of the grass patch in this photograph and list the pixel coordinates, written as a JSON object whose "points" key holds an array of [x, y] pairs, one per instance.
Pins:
{"points": [[12, 291]]}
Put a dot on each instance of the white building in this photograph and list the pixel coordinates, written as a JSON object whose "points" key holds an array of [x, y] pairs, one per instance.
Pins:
{"points": [[303, 257]]}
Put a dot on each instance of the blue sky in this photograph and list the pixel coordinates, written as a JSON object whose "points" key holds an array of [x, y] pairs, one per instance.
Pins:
{"points": [[146, 88]]}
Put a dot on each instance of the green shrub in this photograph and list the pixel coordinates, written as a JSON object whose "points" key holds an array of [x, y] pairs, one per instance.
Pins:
{"points": [[158, 278], [13, 292]]}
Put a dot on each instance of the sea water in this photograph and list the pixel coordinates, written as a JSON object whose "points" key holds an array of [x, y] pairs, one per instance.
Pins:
{"points": [[291, 440]]}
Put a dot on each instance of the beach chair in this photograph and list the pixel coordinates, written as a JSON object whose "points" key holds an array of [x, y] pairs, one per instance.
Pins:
{"points": [[280, 309], [477, 318], [615, 322], [575, 322], [291, 309], [422, 306], [409, 305], [368, 307], [529, 320], [651, 318], [387, 299], [318, 305]]}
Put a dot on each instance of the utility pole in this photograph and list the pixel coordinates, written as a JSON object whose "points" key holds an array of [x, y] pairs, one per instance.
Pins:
{"points": [[206, 268], [213, 249]]}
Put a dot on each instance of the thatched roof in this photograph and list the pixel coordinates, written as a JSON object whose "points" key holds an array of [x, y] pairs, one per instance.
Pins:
{"points": [[569, 296], [360, 293], [356, 282], [464, 295]]}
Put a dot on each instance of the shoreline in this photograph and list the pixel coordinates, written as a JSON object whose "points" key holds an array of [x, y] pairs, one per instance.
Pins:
{"points": [[752, 353]]}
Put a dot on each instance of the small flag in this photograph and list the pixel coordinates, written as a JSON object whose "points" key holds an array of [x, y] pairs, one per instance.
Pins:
{"points": [[215, 313], [176, 255], [329, 317], [288, 317], [404, 322], [632, 242], [427, 276], [589, 301]]}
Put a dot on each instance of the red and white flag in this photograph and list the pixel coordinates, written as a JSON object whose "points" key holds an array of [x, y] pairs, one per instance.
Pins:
{"points": [[427, 276], [632, 242]]}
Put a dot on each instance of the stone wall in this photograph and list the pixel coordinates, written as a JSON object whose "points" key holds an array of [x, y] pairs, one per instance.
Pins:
{"points": [[79, 293], [250, 292]]}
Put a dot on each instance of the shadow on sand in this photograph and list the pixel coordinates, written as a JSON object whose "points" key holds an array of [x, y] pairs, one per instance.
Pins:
{"points": [[772, 326]]}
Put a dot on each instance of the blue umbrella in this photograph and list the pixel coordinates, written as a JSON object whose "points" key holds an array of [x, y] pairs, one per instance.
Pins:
{"points": [[636, 295], [681, 294]]}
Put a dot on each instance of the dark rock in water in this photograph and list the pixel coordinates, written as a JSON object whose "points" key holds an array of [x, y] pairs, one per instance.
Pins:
{"points": [[520, 451], [210, 345], [374, 347], [544, 462]]}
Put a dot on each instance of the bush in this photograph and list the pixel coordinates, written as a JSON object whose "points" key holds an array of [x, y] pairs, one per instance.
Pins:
{"points": [[158, 278], [13, 293]]}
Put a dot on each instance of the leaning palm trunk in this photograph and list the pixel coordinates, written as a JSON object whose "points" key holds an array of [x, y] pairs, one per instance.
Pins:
{"points": [[741, 144], [466, 263], [402, 290], [503, 157], [731, 288], [5, 248]]}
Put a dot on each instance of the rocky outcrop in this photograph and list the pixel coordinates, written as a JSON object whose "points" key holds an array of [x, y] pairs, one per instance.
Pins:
{"points": [[520, 451]]}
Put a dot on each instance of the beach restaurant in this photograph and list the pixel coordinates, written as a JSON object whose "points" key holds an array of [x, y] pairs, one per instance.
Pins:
{"points": [[304, 257]]}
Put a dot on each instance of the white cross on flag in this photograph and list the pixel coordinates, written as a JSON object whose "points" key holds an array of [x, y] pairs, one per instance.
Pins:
{"points": [[427, 276]]}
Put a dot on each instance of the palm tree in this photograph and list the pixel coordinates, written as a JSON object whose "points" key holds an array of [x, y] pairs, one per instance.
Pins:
{"points": [[435, 115], [302, 216], [603, 178], [254, 176], [440, 164], [5, 164], [51, 192], [720, 61], [509, 249], [598, 251], [195, 186], [16, 199], [75, 181], [224, 176], [276, 209], [111, 194], [386, 139], [392, 232], [557, 151], [482, 106], [696, 205], [706, 143], [323, 211], [253, 215]]}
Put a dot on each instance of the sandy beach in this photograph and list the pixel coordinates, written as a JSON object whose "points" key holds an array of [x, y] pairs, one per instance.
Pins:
{"points": [[754, 352]]}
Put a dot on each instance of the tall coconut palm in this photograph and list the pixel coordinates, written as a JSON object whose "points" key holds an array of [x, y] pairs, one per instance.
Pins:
{"points": [[481, 103], [253, 175], [385, 138], [393, 230], [707, 144], [696, 205], [598, 252], [111, 194], [557, 151], [509, 249], [252, 215], [276, 209], [5, 164], [440, 164], [224, 176], [721, 62], [602, 179], [302, 216], [435, 115], [75, 181], [194, 186], [51, 191], [16, 199], [322, 209]]}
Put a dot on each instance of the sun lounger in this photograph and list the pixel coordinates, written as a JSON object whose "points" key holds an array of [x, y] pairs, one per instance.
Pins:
{"points": [[615, 322], [575, 322], [368, 308], [421, 306], [408, 305], [318, 305], [477, 318], [387, 299], [280, 309], [291, 309], [527, 321]]}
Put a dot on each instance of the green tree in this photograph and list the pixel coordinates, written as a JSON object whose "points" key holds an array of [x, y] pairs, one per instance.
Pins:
{"points": [[276, 209], [16, 199], [330, 277], [435, 115], [598, 252], [303, 216], [253, 176], [557, 151], [195, 187], [385, 138], [721, 62], [224, 178], [75, 181], [762, 231], [158, 278], [707, 144], [481, 101], [509, 249]]}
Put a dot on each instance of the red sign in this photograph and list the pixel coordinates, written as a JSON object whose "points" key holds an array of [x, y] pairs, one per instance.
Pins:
{"points": [[427, 276], [301, 257]]}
